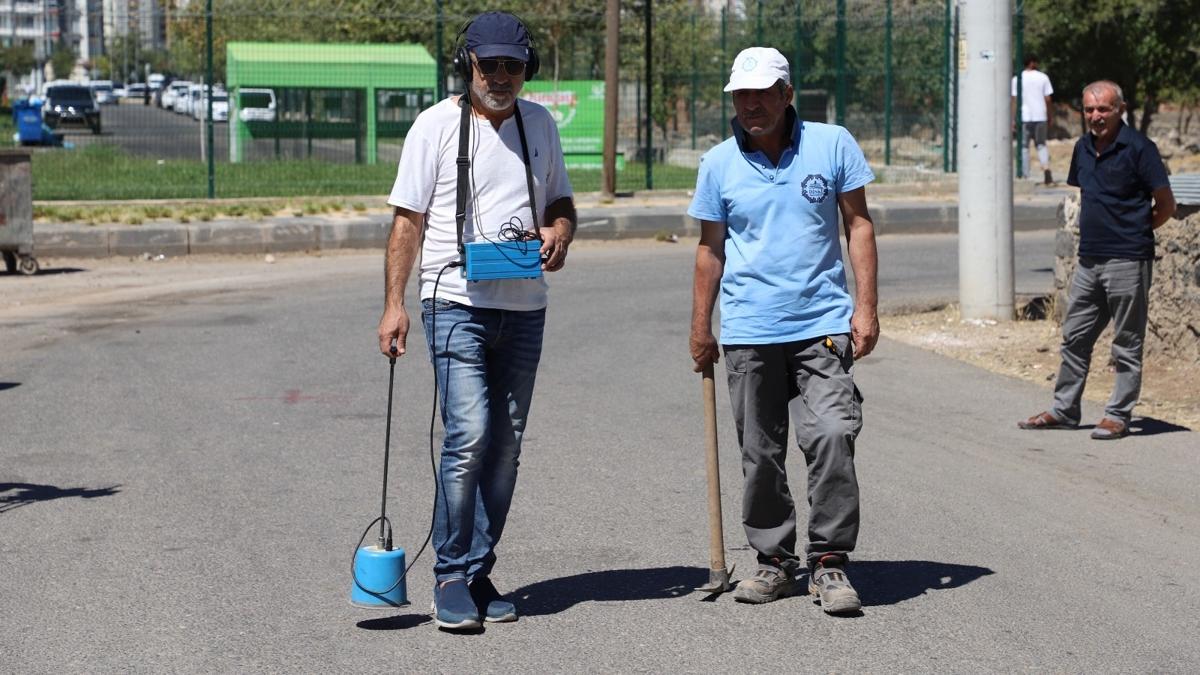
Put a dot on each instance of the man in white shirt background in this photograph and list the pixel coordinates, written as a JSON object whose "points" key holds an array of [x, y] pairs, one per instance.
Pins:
{"points": [[1035, 108]]}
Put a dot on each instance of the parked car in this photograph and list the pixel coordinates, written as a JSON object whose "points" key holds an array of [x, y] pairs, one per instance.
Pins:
{"points": [[183, 98], [170, 95], [103, 90], [189, 99], [136, 92], [118, 91], [256, 105], [220, 107], [71, 104]]}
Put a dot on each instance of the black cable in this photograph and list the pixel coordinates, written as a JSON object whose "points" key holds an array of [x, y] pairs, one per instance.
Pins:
{"points": [[382, 519]]}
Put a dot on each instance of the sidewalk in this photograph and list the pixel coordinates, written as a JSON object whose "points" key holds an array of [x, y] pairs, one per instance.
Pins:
{"points": [[645, 214]]}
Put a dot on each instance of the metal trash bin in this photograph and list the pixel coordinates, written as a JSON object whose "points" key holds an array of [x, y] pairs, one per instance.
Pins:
{"points": [[16, 212]]}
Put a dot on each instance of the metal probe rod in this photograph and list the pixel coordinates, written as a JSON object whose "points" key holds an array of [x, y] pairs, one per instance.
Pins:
{"points": [[387, 442]]}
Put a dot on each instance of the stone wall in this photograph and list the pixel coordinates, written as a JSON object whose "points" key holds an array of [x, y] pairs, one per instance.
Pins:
{"points": [[1174, 328]]}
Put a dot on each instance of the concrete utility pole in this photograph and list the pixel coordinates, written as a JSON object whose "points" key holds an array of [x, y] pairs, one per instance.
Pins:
{"points": [[612, 84], [985, 240]]}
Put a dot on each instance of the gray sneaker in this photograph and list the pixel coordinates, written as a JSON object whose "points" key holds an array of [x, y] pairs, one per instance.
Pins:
{"points": [[830, 587], [768, 584]]}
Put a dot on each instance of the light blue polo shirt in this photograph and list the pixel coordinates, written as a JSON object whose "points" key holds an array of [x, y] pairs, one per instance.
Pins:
{"points": [[783, 278]]}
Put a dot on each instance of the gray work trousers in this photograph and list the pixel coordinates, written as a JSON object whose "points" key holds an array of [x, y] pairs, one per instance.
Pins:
{"points": [[1113, 289], [816, 384]]}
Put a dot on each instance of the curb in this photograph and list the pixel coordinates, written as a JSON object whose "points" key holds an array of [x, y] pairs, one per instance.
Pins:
{"points": [[276, 235]]}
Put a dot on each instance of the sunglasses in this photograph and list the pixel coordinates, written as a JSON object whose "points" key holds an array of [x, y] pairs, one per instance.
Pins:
{"points": [[490, 66]]}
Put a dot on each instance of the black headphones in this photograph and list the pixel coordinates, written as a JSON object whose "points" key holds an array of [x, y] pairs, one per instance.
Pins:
{"points": [[462, 59]]}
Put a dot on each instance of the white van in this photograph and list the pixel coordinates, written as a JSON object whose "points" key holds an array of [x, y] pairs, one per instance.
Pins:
{"points": [[256, 105]]}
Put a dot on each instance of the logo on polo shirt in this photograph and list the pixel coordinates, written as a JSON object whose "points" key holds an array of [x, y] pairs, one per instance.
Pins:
{"points": [[815, 188]]}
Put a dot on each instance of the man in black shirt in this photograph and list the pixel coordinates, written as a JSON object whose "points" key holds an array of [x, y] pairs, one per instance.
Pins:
{"points": [[1124, 197]]}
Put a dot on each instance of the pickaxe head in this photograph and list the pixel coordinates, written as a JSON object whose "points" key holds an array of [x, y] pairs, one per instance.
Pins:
{"points": [[718, 582]]}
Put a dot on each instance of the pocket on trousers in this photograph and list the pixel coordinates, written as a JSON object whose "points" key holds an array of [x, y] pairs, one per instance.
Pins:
{"points": [[845, 350], [428, 304], [856, 413], [736, 360]]}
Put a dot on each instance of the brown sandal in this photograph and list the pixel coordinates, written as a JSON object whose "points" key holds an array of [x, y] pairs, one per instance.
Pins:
{"points": [[1045, 420]]}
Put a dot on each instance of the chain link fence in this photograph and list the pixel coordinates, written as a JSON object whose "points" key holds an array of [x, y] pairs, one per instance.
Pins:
{"points": [[311, 97]]}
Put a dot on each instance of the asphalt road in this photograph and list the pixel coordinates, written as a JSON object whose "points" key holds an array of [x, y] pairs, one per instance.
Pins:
{"points": [[921, 270], [183, 477], [149, 131]]}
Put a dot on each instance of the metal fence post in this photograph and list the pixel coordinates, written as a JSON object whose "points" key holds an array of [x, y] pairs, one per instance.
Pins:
{"points": [[840, 61], [887, 87], [438, 55], [649, 98], [946, 91], [724, 61], [208, 57], [954, 127], [695, 84], [1019, 67], [758, 32]]}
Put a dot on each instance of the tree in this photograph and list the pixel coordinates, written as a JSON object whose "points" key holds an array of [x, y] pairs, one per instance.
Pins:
{"points": [[101, 68], [1149, 47], [17, 60], [63, 59]]}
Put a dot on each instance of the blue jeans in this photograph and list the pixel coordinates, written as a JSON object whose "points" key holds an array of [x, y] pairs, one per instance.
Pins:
{"points": [[485, 361]]}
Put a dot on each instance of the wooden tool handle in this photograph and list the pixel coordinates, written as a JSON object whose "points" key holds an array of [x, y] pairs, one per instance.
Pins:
{"points": [[716, 535]]}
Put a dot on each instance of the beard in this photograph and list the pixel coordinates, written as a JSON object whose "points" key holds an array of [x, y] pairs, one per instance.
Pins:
{"points": [[496, 100]]}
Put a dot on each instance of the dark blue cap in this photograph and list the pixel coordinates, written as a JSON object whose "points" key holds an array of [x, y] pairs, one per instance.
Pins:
{"points": [[496, 34]]}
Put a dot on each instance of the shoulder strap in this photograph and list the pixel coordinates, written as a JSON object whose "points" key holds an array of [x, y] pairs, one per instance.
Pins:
{"points": [[464, 164], [528, 169]]}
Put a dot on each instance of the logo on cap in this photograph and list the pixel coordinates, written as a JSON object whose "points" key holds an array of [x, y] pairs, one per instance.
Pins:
{"points": [[749, 64]]}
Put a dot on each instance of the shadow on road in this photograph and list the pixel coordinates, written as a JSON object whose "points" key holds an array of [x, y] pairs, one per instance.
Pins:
{"points": [[1149, 426], [1146, 426], [400, 622], [889, 582], [9, 385], [49, 271], [879, 582], [46, 272], [555, 595], [15, 495]]}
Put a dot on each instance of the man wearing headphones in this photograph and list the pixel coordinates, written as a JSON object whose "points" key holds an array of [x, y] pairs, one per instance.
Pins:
{"points": [[484, 337]]}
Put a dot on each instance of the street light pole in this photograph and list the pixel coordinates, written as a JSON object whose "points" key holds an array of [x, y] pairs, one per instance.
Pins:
{"points": [[985, 239]]}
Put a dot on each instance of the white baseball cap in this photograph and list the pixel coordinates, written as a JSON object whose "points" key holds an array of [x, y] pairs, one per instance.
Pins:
{"points": [[758, 68]]}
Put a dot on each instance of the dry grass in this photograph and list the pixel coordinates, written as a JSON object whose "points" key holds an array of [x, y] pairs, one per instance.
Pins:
{"points": [[1029, 350]]}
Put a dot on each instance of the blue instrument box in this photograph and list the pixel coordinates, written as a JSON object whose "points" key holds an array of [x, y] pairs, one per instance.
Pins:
{"points": [[485, 260]]}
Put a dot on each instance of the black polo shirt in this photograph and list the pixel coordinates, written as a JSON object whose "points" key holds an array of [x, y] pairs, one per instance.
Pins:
{"points": [[1115, 200]]}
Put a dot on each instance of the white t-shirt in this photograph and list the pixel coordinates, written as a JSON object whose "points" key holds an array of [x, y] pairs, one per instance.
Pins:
{"points": [[427, 178], [1035, 87]]}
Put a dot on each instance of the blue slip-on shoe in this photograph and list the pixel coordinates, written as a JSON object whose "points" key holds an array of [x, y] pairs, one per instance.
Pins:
{"points": [[489, 602], [453, 607]]}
